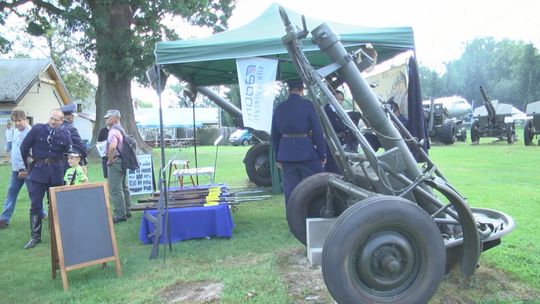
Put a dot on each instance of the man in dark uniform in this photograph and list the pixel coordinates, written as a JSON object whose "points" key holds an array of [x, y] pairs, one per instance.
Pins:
{"points": [[70, 111], [395, 109], [46, 144], [297, 138], [346, 138]]}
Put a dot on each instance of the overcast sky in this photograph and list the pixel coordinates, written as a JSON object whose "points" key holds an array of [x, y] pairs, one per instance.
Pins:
{"points": [[441, 27]]}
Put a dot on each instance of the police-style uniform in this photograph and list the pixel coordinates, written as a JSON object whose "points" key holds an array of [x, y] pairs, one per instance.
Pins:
{"points": [[341, 131], [297, 140], [46, 146], [76, 140]]}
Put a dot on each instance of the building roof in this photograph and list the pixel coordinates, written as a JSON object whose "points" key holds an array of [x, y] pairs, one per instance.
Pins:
{"points": [[18, 75]]}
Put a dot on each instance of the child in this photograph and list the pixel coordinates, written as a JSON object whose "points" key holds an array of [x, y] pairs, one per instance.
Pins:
{"points": [[75, 174]]}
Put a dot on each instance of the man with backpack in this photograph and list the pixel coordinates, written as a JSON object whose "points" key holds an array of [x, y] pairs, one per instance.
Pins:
{"points": [[118, 189]]}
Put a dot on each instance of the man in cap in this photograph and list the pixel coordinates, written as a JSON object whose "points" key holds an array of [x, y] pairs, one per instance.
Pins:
{"points": [[118, 189], [70, 111], [297, 138], [46, 145]]}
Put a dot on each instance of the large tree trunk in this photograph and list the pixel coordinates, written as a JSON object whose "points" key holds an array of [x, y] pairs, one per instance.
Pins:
{"points": [[114, 80], [116, 94]]}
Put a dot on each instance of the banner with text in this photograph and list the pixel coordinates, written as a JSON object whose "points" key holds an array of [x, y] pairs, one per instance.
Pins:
{"points": [[255, 79]]}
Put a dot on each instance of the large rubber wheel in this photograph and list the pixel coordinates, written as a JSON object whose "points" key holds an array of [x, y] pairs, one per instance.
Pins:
{"points": [[308, 200], [527, 133], [510, 133], [448, 133], [257, 163], [245, 142], [475, 132], [383, 249]]}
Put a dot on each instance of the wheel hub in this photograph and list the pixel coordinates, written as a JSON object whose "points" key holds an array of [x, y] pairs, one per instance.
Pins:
{"points": [[262, 165], [386, 261]]}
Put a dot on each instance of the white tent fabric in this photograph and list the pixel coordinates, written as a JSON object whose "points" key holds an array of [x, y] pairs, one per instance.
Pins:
{"points": [[176, 117]]}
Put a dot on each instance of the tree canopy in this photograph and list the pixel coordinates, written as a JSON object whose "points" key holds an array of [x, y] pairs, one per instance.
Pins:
{"points": [[509, 70], [117, 37]]}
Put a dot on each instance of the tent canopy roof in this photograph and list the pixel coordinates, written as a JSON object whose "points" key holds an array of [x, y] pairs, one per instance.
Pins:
{"points": [[212, 60]]}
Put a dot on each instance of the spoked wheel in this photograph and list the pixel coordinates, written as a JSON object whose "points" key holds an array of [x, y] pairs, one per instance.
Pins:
{"points": [[308, 200], [475, 133], [383, 250], [527, 133]]}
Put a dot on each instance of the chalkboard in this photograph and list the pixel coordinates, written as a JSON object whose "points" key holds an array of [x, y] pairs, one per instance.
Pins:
{"points": [[83, 230]]}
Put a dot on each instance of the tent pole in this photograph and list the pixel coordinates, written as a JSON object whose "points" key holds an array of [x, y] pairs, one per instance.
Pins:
{"points": [[163, 203], [195, 140]]}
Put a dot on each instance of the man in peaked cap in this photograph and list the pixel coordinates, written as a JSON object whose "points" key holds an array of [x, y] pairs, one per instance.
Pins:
{"points": [[297, 138], [46, 144], [70, 111]]}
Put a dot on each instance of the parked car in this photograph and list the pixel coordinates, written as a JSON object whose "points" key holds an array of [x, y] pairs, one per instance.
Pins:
{"points": [[240, 137]]}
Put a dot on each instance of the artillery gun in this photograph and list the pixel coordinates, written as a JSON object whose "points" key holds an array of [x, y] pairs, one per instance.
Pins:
{"points": [[531, 127], [398, 226], [493, 119], [441, 127]]}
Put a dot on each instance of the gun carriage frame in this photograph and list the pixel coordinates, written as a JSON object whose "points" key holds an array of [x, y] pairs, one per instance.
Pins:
{"points": [[398, 226]]}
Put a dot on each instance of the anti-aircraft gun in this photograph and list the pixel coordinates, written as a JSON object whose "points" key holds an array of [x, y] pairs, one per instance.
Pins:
{"points": [[397, 226], [494, 119], [531, 127], [441, 127]]}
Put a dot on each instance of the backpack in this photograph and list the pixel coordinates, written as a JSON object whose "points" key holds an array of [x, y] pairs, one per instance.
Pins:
{"points": [[128, 154]]}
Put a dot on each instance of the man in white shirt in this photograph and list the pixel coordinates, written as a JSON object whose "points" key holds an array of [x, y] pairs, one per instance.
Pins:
{"points": [[18, 172]]}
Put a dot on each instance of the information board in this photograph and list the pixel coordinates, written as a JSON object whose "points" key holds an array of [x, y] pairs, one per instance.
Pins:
{"points": [[141, 181]]}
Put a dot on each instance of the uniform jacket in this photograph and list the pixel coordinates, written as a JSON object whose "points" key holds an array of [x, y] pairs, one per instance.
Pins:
{"points": [[47, 147], [76, 141], [334, 118], [296, 115]]}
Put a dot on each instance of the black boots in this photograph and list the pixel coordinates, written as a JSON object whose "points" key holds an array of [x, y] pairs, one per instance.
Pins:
{"points": [[35, 231]]}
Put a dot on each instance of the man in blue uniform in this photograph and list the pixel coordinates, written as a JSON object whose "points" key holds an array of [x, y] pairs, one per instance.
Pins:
{"points": [[346, 138], [395, 109], [297, 138], [46, 145], [70, 111]]}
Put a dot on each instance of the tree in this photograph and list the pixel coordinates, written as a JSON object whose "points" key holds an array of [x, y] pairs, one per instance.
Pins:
{"points": [[509, 70], [118, 36]]}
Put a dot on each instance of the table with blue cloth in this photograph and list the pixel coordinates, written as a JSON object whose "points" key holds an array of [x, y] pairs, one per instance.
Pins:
{"points": [[191, 223]]}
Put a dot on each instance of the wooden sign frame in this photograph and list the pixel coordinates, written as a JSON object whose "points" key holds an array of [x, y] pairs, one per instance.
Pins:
{"points": [[63, 256]]}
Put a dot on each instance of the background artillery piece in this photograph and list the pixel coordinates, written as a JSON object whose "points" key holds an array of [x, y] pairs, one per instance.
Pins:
{"points": [[531, 127], [493, 119]]}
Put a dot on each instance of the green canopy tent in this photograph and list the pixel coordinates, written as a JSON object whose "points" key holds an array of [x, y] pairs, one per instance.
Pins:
{"points": [[212, 60]]}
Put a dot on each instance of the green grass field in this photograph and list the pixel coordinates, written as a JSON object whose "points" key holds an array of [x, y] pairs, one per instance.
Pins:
{"points": [[497, 176]]}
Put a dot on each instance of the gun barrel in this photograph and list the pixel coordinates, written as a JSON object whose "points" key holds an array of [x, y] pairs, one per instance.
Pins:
{"points": [[487, 103]]}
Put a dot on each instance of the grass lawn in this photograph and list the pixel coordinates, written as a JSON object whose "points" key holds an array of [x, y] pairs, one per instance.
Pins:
{"points": [[497, 176]]}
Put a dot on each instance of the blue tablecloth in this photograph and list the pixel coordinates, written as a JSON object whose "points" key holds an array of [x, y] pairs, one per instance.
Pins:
{"points": [[191, 223]]}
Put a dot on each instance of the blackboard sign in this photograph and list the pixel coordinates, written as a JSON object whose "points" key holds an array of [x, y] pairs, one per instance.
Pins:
{"points": [[83, 233]]}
